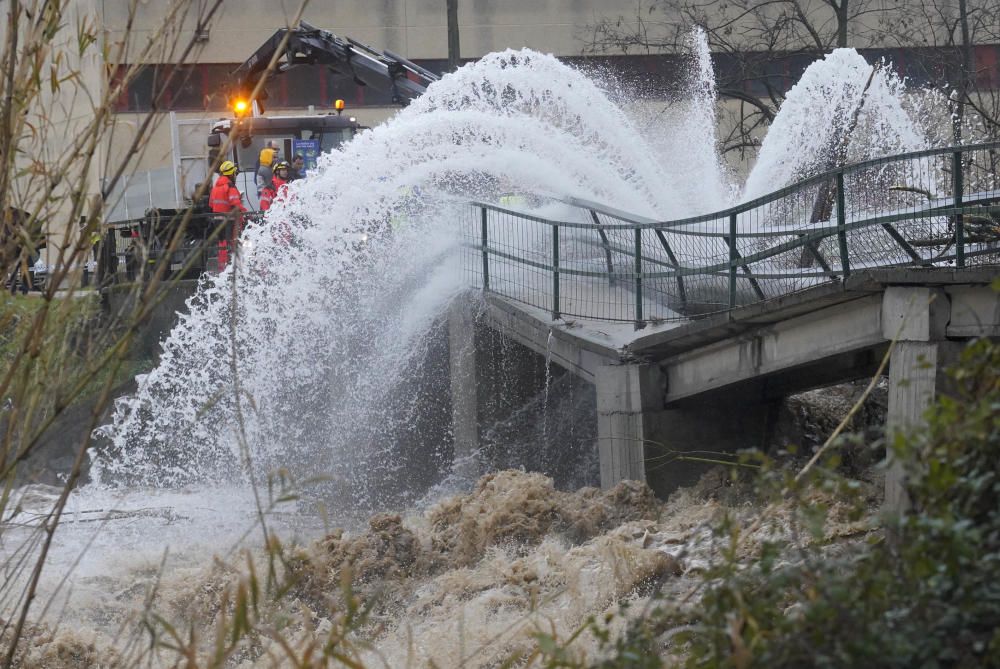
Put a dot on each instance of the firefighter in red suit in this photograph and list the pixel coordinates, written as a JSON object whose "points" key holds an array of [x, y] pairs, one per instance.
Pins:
{"points": [[226, 200], [278, 188]]}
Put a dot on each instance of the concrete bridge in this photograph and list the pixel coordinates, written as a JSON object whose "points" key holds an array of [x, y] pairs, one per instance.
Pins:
{"points": [[692, 330]]}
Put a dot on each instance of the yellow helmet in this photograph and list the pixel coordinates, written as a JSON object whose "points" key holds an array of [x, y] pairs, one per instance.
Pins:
{"points": [[227, 168]]}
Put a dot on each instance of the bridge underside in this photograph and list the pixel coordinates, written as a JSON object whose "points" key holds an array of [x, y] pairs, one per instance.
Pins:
{"points": [[711, 385]]}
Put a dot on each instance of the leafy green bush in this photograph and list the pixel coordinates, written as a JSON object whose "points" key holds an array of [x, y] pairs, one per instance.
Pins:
{"points": [[922, 590]]}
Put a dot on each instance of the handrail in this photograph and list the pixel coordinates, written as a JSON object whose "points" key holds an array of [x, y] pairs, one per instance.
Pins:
{"points": [[684, 271], [773, 196], [868, 230]]}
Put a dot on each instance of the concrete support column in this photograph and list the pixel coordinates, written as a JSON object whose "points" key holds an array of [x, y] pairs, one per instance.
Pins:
{"points": [[912, 385], [916, 317], [629, 399], [464, 379]]}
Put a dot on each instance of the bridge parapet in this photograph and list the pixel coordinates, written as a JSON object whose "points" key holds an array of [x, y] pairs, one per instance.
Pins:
{"points": [[937, 208]]}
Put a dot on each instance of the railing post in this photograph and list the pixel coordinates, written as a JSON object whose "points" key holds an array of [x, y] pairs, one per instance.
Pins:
{"points": [[555, 272], [682, 294], [733, 255], [957, 195], [486, 253], [607, 246], [845, 262], [639, 320]]}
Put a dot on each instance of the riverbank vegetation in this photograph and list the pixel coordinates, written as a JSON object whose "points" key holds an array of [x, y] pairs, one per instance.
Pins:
{"points": [[917, 590], [59, 362]]}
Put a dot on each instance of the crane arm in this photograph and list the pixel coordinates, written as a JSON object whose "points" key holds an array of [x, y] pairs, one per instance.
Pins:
{"points": [[307, 45]]}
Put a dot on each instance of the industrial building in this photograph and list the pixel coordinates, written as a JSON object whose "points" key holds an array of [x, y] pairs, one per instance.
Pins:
{"points": [[173, 65]]}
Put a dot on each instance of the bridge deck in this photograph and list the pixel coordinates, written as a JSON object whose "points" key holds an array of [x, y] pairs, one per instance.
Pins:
{"points": [[582, 345], [691, 329], [695, 333]]}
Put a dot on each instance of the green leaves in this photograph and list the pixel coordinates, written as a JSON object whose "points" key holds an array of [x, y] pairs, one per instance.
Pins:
{"points": [[921, 595], [928, 596]]}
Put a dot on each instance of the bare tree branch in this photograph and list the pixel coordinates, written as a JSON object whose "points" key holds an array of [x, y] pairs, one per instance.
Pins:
{"points": [[754, 37]]}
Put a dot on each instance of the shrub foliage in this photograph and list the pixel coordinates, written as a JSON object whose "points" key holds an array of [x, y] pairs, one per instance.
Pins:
{"points": [[920, 590]]}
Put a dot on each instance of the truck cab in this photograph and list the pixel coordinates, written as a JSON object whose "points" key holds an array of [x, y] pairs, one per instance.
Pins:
{"points": [[307, 135], [291, 47]]}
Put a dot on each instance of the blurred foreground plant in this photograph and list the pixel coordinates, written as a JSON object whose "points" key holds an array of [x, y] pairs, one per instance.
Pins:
{"points": [[259, 621], [927, 596], [62, 72]]}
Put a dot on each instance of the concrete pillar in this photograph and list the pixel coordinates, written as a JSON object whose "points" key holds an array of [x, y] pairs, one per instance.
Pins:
{"points": [[916, 317], [629, 397], [464, 379], [912, 384], [639, 439]]}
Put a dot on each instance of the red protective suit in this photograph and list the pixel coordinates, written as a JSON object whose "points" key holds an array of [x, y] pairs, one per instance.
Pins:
{"points": [[278, 188], [224, 199]]}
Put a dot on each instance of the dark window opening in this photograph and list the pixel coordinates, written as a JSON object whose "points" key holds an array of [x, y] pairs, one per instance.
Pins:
{"points": [[203, 87]]}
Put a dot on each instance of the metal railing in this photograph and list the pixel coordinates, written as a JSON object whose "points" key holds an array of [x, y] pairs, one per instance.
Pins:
{"points": [[134, 250], [931, 208]]}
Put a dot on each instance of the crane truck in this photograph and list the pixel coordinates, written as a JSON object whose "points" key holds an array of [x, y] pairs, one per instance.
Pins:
{"points": [[133, 248], [249, 130]]}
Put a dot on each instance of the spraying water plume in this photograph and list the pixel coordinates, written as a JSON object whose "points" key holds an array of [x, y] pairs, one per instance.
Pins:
{"points": [[326, 322], [842, 110], [321, 351], [317, 350]]}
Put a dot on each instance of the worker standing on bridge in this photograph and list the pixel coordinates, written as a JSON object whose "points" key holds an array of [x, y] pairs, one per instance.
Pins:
{"points": [[225, 199]]}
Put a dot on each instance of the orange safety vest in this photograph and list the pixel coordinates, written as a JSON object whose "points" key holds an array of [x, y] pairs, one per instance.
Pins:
{"points": [[224, 197]]}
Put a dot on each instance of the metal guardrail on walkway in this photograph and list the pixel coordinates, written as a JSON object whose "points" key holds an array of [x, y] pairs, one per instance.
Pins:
{"points": [[136, 249], [930, 208]]}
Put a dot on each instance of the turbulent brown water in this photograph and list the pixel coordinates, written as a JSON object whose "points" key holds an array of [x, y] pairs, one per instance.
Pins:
{"points": [[468, 582]]}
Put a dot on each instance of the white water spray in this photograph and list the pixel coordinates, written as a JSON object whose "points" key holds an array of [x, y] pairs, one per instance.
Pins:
{"points": [[324, 332], [331, 337], [324, 335], [816, 111]]}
